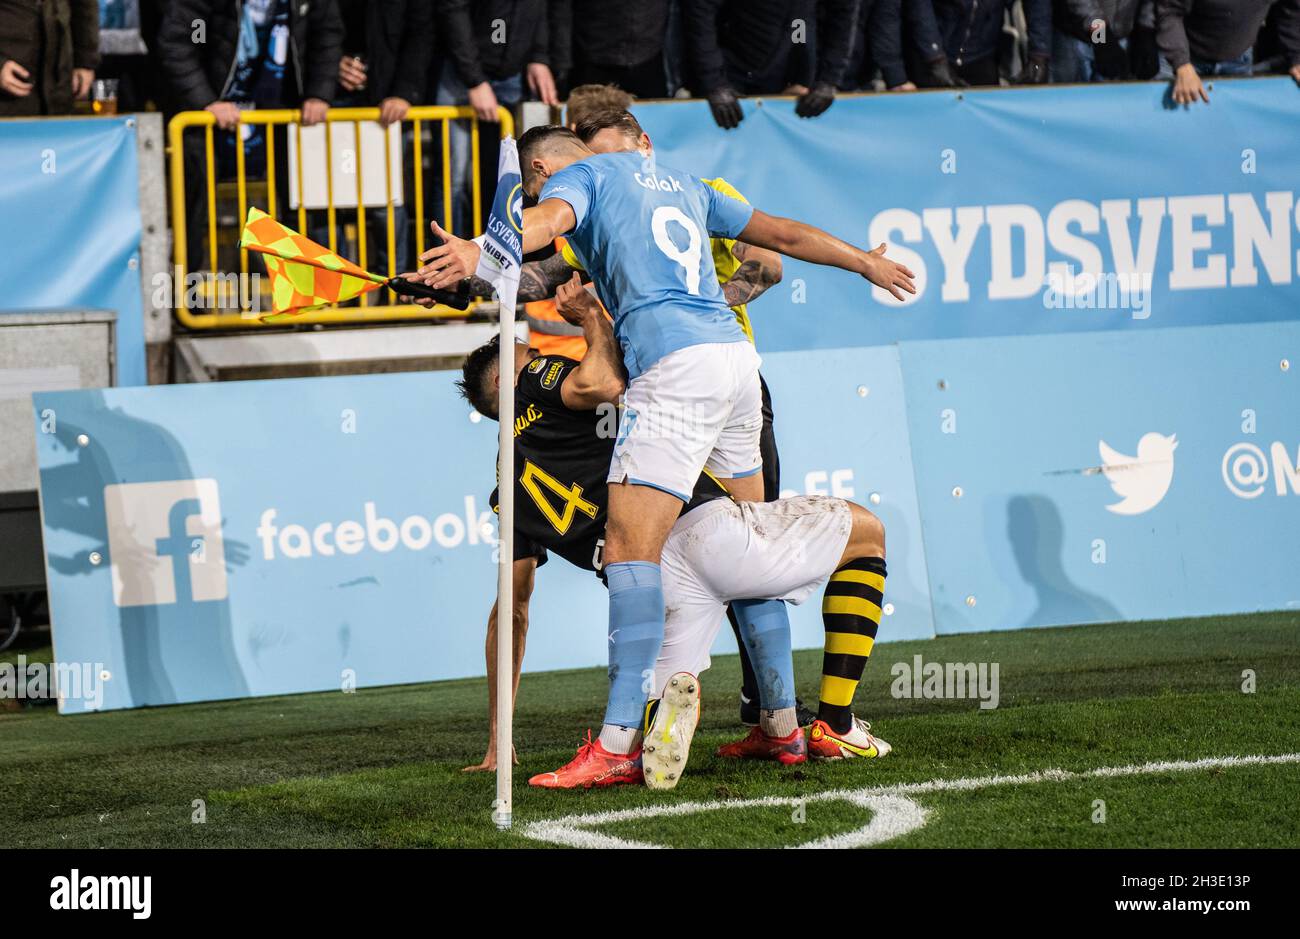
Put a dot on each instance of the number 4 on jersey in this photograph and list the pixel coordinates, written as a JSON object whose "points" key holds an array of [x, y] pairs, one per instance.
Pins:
{"points": [[534, 479]]}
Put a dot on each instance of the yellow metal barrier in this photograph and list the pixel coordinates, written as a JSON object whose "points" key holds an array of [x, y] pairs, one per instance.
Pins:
{"points": [[358, 314]]}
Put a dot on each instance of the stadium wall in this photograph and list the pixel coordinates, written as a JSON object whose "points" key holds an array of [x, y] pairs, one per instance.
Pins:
{"points": [[247, 538]]}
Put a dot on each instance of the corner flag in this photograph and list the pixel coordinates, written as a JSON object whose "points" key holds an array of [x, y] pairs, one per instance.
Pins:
{"points": [[502, 254]]}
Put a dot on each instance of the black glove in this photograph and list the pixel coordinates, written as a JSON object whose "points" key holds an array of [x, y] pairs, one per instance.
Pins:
{"points": [[815, 101], [726, 107], [1034, 72], [1109, 59], [942, 76]]}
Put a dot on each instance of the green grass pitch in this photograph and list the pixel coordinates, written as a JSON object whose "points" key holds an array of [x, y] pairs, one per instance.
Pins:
{"points": [[381, 767]]}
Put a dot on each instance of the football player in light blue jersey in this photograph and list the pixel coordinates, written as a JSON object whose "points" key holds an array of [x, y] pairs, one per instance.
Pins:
{"points": [[662, 290], [693, 402]]}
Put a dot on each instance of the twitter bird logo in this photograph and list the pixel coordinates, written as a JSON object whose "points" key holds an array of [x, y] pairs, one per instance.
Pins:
{"points": [[1140, 481]]}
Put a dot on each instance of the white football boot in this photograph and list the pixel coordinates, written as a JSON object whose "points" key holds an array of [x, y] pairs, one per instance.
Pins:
{"points": [[667, 742]]}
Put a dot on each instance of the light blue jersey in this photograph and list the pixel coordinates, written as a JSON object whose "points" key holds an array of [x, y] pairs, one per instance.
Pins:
{"points": [[643, 234]]}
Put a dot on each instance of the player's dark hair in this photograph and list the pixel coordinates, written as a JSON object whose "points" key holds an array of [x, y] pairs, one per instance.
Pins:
{"points": [[542, 140], [619, 119], [475, 385]]}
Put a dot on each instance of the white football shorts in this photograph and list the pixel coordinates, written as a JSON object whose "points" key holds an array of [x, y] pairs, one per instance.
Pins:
{"points": [[724, 551], [698, 407]]}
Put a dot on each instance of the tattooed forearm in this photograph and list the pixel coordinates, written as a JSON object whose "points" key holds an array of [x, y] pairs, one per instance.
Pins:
{"points": [[537, 279], [759, 269]]}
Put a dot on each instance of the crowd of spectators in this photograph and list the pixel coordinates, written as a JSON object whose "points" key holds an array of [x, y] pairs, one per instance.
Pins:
{"points": [[395, 53], [225, 56]]}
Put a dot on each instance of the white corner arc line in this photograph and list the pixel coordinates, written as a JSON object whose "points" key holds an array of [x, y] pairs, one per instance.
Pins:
{"points": [[893, 812]]}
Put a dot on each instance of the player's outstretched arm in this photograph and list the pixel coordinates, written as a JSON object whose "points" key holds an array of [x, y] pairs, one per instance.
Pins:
{"points": [[759, 269], [525, 570], [598, 379], [537, 279], [803, 241], [546, 221]]}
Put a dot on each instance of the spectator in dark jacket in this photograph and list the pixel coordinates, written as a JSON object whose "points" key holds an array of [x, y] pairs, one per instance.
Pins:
{"points": [[1216, 37], [957, 41], [387, 47], [225, 57], [878, 44], [201, 72], [1090, 39], [48, 55], [760, 47], [491, 47], [595, 42]]}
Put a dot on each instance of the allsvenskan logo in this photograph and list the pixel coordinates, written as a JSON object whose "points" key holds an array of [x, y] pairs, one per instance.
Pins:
{"points": [[164, 542], [1140, 481]]}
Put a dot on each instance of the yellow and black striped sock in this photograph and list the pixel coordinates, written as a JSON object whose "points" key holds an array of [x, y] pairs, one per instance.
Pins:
{"points": [[851, 612]]}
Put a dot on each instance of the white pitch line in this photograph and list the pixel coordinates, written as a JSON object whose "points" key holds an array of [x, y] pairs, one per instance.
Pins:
{"points": [[893, 813]]}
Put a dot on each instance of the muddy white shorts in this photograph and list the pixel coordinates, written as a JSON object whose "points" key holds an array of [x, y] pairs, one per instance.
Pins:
{"points": [[724, 551], [698, 407]]}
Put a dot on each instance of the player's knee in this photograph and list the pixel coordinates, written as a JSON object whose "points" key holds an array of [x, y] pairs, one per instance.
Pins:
{"points": [[868, 537]]}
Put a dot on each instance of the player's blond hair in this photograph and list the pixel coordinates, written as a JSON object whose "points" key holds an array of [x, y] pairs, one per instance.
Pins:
{"points": [[586, 100]]}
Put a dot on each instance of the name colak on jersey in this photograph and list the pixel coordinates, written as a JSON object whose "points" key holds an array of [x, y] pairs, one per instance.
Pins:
{"points": [[667, 184]]}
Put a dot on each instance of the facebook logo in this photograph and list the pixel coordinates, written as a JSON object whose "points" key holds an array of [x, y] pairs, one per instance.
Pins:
{"points": [[164, 542]]}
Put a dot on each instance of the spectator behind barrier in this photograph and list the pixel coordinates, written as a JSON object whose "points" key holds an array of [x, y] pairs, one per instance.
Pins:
{"points": [[490, 48], [763, 47], [1216, 37], [386, 50], [1090, 39], [877, 44], [956, 41], [595, 42], [48, 55], [277, 54]]}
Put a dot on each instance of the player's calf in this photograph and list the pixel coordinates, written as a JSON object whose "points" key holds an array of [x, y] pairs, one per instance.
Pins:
{"points": [[851, 611]]}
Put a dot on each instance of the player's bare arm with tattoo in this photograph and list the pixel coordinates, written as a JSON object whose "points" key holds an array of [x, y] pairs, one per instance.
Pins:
{"points": [[759, 269], [538, 280]]}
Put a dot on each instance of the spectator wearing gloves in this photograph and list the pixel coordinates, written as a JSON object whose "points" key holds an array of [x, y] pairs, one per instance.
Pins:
{"points": [[490, 48], [48, 55], [957, 41], [748, 47], [1217, 38], [595, 42], [1090, 40]]}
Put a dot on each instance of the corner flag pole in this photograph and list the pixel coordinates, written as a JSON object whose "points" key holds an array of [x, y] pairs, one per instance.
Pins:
{"points": [[505, 570], [499, 262]]}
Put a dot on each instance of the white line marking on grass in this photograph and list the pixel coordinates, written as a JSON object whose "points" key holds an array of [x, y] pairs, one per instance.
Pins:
{"points": [[893, 813]]}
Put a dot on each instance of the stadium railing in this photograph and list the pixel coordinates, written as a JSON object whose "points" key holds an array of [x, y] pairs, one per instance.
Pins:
{"points": [[365, 312]]}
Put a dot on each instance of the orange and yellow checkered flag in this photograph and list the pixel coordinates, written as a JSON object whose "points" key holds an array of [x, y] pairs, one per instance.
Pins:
{"points": [[304, 275]]}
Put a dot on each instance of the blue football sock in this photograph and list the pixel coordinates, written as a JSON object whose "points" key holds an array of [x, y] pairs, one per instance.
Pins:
{"points": [[636, 632], [765, 629]]}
